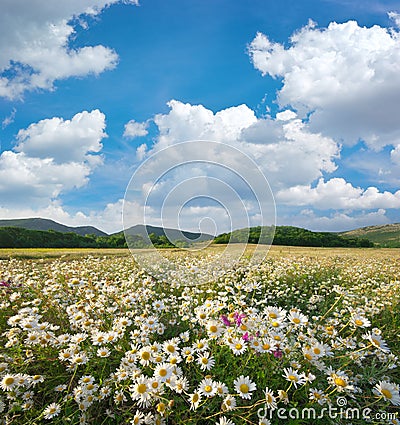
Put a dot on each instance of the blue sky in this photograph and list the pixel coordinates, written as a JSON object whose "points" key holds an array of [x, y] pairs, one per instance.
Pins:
{"points": [[310, 90]]}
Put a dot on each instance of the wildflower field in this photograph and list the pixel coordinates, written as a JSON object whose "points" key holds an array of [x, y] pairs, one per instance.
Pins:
{"points": [[94, 339]]}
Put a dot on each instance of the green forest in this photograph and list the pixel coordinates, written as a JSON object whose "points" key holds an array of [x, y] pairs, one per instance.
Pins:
{"points": [[14, 237], [291, 236]]}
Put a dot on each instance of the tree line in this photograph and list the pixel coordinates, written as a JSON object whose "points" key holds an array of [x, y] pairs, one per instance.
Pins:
{"points": [[16, 237], [291, 236]]}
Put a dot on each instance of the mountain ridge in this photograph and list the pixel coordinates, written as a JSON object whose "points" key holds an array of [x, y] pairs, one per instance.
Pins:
{"points": [[37, 223], [387, 235]]}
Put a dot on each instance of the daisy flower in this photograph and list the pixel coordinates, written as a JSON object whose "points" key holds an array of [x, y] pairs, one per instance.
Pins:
{"points": [[180, 384], [341, 381], [244, 386], [270, 400], [214, 329], [377, 341], [229, 403], [389, 391], [207, 387], [170, 347], [293, 376], [224, 421], [51, 411], [222, 389], [317, 395], [163, 372], [194, 400], [141, 391], [238, 346], [201, 345], [145, 355], [9, 382], [297, 318], [360, 321], [138, 418], [206, 361], [103, 352]]}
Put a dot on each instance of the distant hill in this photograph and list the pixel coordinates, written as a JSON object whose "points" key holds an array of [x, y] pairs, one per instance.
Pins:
{"points": [[173, 235], [291, 236], [46, 224], [18, 237], [387, 235]]}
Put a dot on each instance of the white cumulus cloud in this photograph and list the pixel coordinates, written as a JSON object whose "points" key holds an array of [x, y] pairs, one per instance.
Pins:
{"points": [[34, 44], [53, 156], [135, 129], [338, 194], [346, 75]]}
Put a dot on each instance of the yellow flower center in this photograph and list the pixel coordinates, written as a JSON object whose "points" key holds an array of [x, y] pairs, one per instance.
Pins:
{"points": [[238, 346], [170, 348], [195, 398], [204, 360], [163, 372], [154, 384], [161, 407], [203, 315], [266, 346], [213, 329], [340, 382], [387, 394], [293, 378], [275, 324], [296, 320], [273, 315], [316, 350], [358, 322], [243, 327], [145, 355], [9, 381], [141, 388], [208, 388], [244, 388], [308, 356]]}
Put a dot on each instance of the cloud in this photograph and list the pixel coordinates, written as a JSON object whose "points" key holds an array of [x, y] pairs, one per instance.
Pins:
{"points": [[64, 140], [287, 151], [195, 122], [9, 119], [338, 194], [337, 221], [52, 157], [395, 155], [346, 76], [108, 219], [395, 17], [135, 129], [35, 48]]}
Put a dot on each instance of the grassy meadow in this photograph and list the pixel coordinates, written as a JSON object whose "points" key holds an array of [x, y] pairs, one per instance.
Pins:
{"points": [[87, 337]]}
